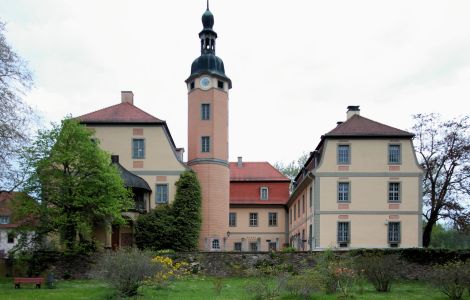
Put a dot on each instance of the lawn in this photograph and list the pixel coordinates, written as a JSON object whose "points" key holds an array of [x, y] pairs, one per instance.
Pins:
{"points": [[197, 288]]}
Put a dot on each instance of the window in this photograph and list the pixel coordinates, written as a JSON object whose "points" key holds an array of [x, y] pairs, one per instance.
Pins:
{"points": [[4, 220], [253, 219], [311, 197], [272, 219], [303, 204], [393, 192], [205, 144], [162, 193], [290, 216], [254, 247], [138, 148], [191, 85], [10, 238], [343, 191], [298, 209], [263, 193], [205, 111], [272, 246], [295, 211], [232, 219], [237, 246], [343, 154], [394, 154], [343, 233], [394, 232], [310, 236], [215, 244], [220, 84]]}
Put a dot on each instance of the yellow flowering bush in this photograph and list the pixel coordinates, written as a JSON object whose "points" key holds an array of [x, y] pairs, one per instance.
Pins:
{"points": [[170, 271]]}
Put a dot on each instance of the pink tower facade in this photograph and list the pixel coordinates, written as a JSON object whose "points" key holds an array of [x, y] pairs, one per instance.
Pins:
{"points": [[208, 88]]}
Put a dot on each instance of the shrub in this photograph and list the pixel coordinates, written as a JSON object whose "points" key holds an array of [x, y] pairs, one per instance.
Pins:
{"points": [[452, 278], [218, 283], [267, 281], [154, 231], [169, 271], [288, 249], [126, 270], [381, 270], [304, 285]]}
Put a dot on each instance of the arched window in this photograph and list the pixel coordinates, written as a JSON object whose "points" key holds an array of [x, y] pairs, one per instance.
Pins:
{"points": [[215, 244]]}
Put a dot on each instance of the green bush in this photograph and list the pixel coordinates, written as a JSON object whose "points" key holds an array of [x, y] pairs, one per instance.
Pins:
{"points": [[452, 278], [155, 230], [289, 249], [126, 270], [381, 270], [304, 284], [267, 281]]}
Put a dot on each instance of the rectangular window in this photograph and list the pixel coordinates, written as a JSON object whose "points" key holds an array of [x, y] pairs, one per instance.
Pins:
{"points": [[298, 209], [394, 232], [232, 219], [344, 155], [4, 220], [237, 246], [290, 216], [394, 154], [161, 195], [220, 84], [393, 192], [191, 85], [295, 211], [138, 148], [205, 111], [263, 193], [303, 204], [311, 197], [10, 238], [253, 219], [310, 236], [343, 191], [272, 217], [272, 246], [343, 232], [205, 144], [253, 247]]}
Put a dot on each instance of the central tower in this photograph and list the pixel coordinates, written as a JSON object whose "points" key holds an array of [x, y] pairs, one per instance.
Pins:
{"points": [[208, 88]]}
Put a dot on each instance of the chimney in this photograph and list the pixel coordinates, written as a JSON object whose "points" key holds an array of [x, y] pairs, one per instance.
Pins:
{"points": [[240, 162], [127, 97], [180, 153], [353, 110], [115, 159], [339, 123]]}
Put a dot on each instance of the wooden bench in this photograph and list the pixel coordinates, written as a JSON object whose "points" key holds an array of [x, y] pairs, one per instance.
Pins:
{"points": [[35, 280]]}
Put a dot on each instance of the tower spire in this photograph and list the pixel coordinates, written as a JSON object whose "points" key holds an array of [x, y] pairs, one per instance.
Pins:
{"points": [[207, 4]]}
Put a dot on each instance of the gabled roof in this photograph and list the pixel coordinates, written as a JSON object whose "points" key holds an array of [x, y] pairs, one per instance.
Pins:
{"points": [[5, 207], [119, 113], [358, 126], [255, 171]]}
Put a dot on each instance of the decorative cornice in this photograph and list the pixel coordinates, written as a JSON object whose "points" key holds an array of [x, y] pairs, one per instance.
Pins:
{"points": [[203, 161]]}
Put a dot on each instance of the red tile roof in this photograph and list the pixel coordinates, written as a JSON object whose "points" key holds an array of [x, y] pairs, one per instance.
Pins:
{"points": [[5, 210], [119, 113], [255, 171], [363, 127]]}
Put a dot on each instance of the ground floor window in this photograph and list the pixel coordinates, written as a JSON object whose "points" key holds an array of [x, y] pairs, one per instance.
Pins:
{"points": [[343, 234], [215, 244], [237, 246], [394, 233], [10, 238], [272, 246], [253, 247]]}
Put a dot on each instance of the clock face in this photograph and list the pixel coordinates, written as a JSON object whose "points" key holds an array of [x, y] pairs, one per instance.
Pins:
{"points": [[205, 83]]}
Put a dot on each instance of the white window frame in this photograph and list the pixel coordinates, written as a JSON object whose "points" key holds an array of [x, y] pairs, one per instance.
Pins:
{"points": [[264, 193], [340, 155], [253, 219], [394, 234], [394, 194], [215, 244], [272, 219], [344, 196], [343, 234], [234, 219], [157, 193]]}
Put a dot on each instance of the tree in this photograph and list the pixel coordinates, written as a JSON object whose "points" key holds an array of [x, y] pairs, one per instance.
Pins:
{"points": [[186, 210], [293, 168], [443, 149], [15, 114], [174, 226], [73, 184]]}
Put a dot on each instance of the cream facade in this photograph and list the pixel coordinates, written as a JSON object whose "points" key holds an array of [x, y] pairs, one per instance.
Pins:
{"points": [[363, 190], [265, 235]]}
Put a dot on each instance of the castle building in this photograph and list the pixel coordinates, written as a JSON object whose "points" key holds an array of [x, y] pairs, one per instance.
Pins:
{"points": [[208, 89], [258, 215], [144, 152], [360, 188]]}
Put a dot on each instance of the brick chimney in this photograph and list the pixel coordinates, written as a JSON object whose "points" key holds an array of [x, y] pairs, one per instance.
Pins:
{"points": [[240, 162], [127, 97], [353, 110]]}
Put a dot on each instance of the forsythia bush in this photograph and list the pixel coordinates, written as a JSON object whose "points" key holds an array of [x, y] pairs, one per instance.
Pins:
{"points": [[170, 271]]}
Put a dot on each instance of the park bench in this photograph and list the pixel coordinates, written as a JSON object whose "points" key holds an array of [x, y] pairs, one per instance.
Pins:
{"points": [[35, 280]]}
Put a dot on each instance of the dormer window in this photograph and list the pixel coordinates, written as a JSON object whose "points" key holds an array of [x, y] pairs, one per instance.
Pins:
{"points": [[264, 193]]}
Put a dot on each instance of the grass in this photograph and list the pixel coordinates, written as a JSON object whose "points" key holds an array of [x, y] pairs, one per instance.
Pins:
{"points": [[199, 288]]}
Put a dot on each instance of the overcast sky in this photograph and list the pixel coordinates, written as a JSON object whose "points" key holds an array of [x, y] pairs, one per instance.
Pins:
{"points": [[295, 65]]}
